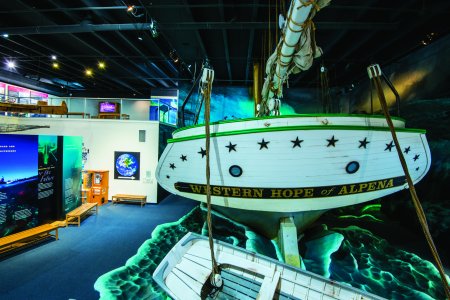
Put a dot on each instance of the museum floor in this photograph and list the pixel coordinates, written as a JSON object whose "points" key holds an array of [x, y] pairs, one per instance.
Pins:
{"points": [[68, 268]]}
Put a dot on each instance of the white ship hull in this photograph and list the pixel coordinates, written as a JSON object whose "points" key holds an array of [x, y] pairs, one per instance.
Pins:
{"points": [[293, 164]]}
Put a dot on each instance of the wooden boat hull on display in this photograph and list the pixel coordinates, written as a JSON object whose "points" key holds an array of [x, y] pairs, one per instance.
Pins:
{"points": [[40, 108], [293, 163], [185, 271]]}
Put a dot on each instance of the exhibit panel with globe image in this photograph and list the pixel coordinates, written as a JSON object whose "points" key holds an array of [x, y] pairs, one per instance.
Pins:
{"points": [[126, 165]]}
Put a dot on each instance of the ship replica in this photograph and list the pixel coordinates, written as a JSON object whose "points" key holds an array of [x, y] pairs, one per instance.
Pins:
{"points": [[267, 168], [278, 174]]}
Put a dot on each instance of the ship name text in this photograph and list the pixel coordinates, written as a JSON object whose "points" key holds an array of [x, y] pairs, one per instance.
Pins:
{"points": [[291, 193]]}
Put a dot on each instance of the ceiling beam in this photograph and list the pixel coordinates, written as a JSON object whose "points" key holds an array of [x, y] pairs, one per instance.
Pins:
{"points": [[17, 79], [112, 47], [197, 34], [61, 71], [251, 41], [183, 26], [264, 25], [144, 58], [120, 82], [202, 5], [225, 42]]}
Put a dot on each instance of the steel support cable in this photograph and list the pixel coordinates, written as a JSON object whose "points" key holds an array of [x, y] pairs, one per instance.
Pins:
{"points": [[412, 190]]}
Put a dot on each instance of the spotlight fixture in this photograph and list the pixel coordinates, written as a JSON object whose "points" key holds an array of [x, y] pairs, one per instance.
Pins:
{"points": [[10, 64], [174, 56], [55, 65], [430, 37], [101, 65], [154, 28], [88, 72], [133, 10], [5, 35], [54, 57]]}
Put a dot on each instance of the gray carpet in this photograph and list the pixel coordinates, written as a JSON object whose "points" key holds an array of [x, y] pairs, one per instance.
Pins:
{"points": [[68, 268]]}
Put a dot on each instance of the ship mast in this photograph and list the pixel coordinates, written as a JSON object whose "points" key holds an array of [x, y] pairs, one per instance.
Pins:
{"points": [[294, 53]]}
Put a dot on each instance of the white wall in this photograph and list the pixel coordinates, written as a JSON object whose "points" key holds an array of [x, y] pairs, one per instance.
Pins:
{"points": [[102, 138]]}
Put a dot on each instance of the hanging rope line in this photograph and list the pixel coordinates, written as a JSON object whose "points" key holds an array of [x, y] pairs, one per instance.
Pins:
{"points": [[207, 96], [412, 190]]}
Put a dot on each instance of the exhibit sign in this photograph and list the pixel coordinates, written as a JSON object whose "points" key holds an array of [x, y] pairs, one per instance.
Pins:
{"points": [[48, 187], [126, 165], [71, 171], [40, 179], [18, 183]]}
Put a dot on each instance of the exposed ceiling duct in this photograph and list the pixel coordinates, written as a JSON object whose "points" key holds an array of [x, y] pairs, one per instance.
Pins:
{"points": [[78, 28]]}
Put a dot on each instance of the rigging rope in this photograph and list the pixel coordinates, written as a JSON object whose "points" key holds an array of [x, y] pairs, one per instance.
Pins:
{"points": [[207, 96], [412, 190]]}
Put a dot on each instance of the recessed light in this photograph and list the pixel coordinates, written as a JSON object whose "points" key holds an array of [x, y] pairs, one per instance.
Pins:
{"points": [[54, 57], [5, 35], [11, 64]]}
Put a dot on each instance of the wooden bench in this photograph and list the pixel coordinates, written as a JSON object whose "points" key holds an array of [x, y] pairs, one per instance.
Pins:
{"points": [[27, 237], [129, 198], [74, 217]]}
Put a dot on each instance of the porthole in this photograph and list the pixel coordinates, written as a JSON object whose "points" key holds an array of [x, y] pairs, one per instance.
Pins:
{"points": [[235, 171], [352, 167]]}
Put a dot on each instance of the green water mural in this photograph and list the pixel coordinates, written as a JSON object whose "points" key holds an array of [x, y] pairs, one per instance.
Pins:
{"points": [[349, 254]]}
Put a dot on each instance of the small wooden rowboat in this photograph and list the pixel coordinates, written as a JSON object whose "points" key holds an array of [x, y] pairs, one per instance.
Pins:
{"points": [[184, 274]]}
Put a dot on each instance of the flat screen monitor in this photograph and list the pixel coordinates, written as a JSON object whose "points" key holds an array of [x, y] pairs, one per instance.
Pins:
{"points": [[108, 107]]}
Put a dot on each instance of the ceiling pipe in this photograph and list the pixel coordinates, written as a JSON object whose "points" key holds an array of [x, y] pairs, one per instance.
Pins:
{"points": [[78, 28]]}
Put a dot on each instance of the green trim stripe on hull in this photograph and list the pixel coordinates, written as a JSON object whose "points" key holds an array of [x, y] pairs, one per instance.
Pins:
{"points": [[291, 193], [288, 128], [291, 116]]}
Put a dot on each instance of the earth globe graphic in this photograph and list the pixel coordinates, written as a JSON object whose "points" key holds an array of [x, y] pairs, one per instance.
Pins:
{"points": [[126, 165]]}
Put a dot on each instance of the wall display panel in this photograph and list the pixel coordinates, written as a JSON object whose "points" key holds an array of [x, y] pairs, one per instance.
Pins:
{"points": [[126, 165], [18, 183], [71, 170], [49, 157]]}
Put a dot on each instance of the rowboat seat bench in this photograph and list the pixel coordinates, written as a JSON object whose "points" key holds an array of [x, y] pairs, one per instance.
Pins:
{"points": [[74, 217], [27, 237], [118, 198]]}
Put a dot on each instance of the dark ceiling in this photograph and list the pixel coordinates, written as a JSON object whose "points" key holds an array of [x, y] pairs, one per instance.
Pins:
{"points": [[231, 34]]}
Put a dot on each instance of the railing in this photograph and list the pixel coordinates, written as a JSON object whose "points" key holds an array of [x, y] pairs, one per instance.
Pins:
{"points": [[133, 109]]}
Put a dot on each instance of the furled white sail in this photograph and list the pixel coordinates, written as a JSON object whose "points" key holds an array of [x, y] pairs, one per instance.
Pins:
{"points": [[294, 53]]}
